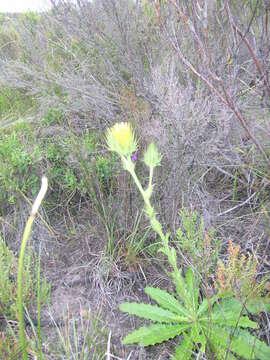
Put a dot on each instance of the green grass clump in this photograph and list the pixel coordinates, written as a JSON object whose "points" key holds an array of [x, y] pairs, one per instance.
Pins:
{"points": [[8, 286], [9, 345], [52, 117], [105, 167], [81, 339]]}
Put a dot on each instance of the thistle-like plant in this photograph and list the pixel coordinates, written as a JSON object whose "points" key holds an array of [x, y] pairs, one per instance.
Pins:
{"points": [[219, 324]]}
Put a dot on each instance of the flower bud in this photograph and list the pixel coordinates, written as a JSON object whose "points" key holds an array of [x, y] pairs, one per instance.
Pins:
{"points": [[152, 157]]}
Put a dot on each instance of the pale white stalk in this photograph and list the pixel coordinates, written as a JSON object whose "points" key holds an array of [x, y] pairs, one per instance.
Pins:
{"points": [[40, 197]]}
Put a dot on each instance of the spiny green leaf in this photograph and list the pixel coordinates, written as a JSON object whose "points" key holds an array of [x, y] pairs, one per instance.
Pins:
{"points": [[152, 158], [255, 306], [154, 334], [206, 304], [220, 341], [151, 312], [184, 350], [219, 345], [209, 302], [245, 322], [197, 335], [250, 347], [192, 288], [181, 287], [241, 342], [166, 300], [228, 306], [232, 319]]}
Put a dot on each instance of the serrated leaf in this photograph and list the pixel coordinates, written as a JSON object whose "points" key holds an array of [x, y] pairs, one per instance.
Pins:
{"points": [[231, 305], [255, 306], [150, 312], [152, 158], [184, 350], [219, 345], [166, 300], [229, 313], [241, 343], [206, 304], [197, 336], [192, 288], [233, 319], [181, 287], [209, 303], [154, 334], [250, 347]]}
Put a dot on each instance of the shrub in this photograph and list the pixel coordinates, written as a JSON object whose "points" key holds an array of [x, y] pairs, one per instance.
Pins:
{"points": [[14, 102], [239, 275], [19, 158]]}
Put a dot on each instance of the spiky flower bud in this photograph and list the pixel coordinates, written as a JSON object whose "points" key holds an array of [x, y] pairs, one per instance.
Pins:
{"points": [[152, 157]]}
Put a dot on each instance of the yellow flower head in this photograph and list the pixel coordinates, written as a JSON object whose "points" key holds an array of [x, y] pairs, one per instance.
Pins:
{"points": [[120, 138]]}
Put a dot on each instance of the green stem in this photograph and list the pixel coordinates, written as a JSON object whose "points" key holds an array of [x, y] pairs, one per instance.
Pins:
{"points": [[130, 169], [150, 177], [38, 309], [26, 234], [146, 197]]}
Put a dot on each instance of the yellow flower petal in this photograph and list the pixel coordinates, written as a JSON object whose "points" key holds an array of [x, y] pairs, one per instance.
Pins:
{"points": [[120, 138]]}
